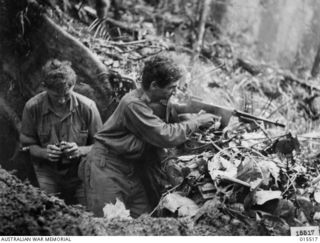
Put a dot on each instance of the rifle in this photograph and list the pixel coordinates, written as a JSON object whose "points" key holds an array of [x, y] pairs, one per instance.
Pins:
{"points": [[195, 105]]}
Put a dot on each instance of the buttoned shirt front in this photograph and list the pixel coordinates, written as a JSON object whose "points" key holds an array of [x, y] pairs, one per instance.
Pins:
{"points": [[41, 123]]}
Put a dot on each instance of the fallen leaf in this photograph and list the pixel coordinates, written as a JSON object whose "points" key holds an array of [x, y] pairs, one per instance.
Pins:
{"points": [[269, 168], [302, 217], [188, 210], [260, 197], [219, 166], [286, 209], [249, 171], [117, 210], [300, 169], [255, 184], [175, 202], [210, 209], [316, 216], [306, 206], [275, 226]]}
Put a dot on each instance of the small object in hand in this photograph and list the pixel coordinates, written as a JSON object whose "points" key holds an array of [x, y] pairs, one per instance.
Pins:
{"points": [[216, 123], [65, 158], [63, 145], [24, 149]]}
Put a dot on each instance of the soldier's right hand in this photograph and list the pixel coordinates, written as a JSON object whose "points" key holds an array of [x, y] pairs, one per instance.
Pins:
{"points": [[206, 120], [54, 153]]}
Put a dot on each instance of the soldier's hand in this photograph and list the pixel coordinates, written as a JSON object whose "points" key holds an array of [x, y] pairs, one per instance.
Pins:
{"points": [[53, 153], [207, 120], [71, 150], [215, 125]]}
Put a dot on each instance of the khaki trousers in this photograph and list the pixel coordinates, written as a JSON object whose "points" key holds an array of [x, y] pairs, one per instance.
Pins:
{"points": [[66, 186], [107, 177]]}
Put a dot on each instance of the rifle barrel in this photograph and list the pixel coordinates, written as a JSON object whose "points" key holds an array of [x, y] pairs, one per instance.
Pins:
{"points": [[247, 115]]}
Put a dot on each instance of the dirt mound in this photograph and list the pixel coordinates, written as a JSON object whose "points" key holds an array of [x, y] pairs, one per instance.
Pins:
{"points": [[26, 210]]}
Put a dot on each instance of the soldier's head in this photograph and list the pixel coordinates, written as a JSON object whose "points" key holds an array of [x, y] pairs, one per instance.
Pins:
{"points": [[160, 77], [59, 80]]}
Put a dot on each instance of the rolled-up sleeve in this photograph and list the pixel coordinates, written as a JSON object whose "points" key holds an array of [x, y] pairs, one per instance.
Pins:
{"points": [[141, 121]]}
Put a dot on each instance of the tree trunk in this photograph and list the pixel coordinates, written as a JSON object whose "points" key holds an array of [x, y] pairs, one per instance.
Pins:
{"points": [[202, 25], [57, 43], [42, 40]]}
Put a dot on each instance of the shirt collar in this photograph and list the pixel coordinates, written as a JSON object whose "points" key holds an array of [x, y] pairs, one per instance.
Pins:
{"points": [[47, 107], [143, 96]]}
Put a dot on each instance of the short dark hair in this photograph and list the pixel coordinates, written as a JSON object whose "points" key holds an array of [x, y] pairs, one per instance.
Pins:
{"points": [[58, 75], [162, 69]]}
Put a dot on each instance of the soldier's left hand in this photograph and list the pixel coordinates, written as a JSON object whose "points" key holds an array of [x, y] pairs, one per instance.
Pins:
{"points": [[71, 150]]}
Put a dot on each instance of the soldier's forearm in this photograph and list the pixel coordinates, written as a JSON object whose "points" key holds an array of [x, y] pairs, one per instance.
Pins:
{"points": [[39, 152], [84, 150]]}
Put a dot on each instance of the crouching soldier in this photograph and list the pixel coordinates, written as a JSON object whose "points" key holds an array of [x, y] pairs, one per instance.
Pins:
{"points": [[58, 125], [112, 168]]}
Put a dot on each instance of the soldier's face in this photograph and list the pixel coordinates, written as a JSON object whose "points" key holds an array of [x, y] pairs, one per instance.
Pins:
{"points": [[165, 92], [59, 99]]}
